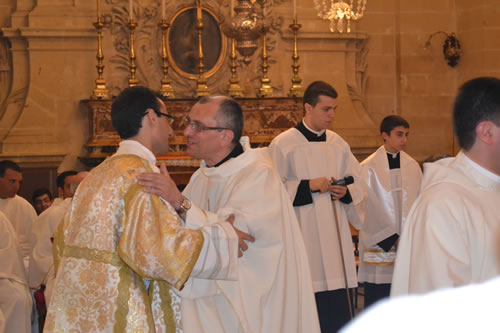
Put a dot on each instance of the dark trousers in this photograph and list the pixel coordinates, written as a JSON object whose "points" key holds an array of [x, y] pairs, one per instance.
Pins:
{"points": [[333, 309], [375, 292]]}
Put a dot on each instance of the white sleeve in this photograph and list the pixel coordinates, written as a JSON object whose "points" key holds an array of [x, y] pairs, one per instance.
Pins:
{"points": [[219, 256]]}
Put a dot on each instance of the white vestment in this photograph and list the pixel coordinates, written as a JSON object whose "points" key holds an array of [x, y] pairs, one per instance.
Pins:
{"points": [[379, 213], [452, 233], [471, 308], [41, 268], [273, 291], [22, 215], [298, 159], [15, 298]]}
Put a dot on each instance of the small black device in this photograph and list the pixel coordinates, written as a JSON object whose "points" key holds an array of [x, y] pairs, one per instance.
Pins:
{"points": [[344, 181]]}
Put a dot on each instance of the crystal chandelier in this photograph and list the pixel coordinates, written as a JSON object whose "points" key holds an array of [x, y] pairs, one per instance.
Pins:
{"points": [[338, 12]]}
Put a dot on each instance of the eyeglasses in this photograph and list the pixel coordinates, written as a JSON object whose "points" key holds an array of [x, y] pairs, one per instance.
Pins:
{"points": [[170, 118], [199, 127]]}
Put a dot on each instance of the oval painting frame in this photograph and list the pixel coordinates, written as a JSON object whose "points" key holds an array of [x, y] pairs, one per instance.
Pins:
{"points": [[182, 43]]}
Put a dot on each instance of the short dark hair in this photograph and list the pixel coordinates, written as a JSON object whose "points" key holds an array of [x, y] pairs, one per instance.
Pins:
{"points": [[8, 164], [229, 115], [62, 176], [477, 100], [39, 192], [391, 122], [130, 107], [316, 89]]}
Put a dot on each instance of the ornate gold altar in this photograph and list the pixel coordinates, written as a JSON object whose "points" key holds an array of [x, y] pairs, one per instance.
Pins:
{"points": [[264, 119], [193, 48]]}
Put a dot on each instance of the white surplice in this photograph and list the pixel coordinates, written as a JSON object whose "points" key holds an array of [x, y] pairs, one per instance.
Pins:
{"points": [[297, 159], [15, 298], [452, 233], [379, 212], [273, 291], [41, 268], [21, 215]]}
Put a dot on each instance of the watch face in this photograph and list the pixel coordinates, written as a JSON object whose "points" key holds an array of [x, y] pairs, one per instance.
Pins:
{"points": [[186, 204]]}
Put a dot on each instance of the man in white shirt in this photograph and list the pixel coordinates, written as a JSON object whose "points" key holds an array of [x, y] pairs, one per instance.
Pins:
{"points": [[63, 182], [42, 199], [272, 291], [15, 298], [41, 268], [309, 158], [451, 237], [393, 180], [18, 210]]}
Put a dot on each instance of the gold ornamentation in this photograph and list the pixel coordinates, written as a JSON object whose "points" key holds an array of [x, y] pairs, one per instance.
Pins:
{"points": [[100, 90], [296, 90], [166, 307], [265, 90], [201, 82], [245, 27], [178, 36], [234, 82], [132, 81], [166, 88]]}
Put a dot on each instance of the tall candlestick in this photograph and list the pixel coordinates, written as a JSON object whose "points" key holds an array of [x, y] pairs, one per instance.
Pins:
{"points": [[98, 9], [130, 10], [232, 8], [294, 9], [163, 9], [198, 10]]}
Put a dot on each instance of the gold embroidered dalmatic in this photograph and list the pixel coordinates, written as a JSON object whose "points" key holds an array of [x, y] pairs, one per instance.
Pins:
{"points": [[112, 238]]}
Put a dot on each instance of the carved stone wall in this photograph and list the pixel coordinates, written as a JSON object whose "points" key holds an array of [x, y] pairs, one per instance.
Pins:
{"points": [[52, 67], [48, 50]]}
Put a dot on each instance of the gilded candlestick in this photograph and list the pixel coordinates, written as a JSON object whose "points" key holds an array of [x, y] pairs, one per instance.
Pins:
{"points": [[234, 82], [265, 89], [296, 90], [201, 87], [100, 91], [132, 81], [166, 89]]}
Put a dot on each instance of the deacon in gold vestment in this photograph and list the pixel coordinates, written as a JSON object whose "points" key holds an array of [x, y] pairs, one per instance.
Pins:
{"points": [[118, 249]]}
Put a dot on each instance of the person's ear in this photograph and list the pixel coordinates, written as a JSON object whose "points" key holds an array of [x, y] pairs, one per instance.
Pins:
{"points": [[228, 136], [308, 107], [151, 117], [385, 136], [485, 132]]}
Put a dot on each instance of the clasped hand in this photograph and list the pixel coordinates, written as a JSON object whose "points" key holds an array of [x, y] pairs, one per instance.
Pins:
{"points": [[324, 184]]}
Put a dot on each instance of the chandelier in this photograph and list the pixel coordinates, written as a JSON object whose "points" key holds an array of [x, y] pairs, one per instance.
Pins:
{"points": [[338, 12]]}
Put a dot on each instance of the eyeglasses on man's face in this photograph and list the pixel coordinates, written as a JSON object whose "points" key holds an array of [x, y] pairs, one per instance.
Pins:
{"points": [[170, 118], [199, 127]]}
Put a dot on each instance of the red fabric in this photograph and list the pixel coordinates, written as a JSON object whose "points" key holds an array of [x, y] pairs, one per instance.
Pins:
{"points": [[39, 297]]}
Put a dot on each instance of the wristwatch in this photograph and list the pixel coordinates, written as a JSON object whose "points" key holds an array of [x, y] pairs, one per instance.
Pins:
{"points": [[185, 205]]}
